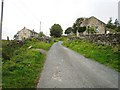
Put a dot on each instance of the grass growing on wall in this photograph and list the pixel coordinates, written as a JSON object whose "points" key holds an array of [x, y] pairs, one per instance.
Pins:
{"points": [[23, 68], [101, 53]]}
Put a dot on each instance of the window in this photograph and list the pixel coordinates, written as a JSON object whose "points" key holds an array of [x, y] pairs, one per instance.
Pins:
{"points": [[97, 30]]}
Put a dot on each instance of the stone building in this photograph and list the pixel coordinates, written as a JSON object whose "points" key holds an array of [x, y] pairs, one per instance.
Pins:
{"points": [[98, 26], [25, 34]]}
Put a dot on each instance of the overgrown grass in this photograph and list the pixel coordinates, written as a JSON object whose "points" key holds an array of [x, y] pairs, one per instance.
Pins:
{"points": [[62, 38], [23, 68], [101, 53]]}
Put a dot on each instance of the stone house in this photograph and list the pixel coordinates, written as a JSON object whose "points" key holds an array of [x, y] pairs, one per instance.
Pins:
{"points": [[92, 22], [25, 34]]}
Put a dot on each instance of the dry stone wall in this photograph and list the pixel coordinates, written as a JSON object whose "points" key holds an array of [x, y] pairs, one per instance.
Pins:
{"points": [[106, 39]]}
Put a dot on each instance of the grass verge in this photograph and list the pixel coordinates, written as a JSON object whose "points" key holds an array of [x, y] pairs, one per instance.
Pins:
{"points": [[23, 68], [104, 54]]}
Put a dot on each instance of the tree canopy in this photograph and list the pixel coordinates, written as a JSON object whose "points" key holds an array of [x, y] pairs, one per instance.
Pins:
{"points": [[81, 29], [76, 25], [115, 26], [68, 30], [56, 30], [90, 30], [41, 34]]}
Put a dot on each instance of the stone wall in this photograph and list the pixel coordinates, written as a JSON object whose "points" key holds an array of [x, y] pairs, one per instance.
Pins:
{"points": [[106, 39]]}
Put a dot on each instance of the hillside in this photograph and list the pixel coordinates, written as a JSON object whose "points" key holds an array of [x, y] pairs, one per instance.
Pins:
{"points": [[22, 62]]}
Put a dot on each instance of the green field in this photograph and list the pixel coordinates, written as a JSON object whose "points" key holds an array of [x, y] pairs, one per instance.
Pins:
{"points": [[103, 54], [22, 66]]}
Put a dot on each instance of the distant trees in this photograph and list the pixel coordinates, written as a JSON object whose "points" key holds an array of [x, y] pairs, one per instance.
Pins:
{"points": [[116, 23], [41, 34], [68, 30], [15, 37], [115, 26], [76, 27], [110, 24], [56, 30], [7, 38]]}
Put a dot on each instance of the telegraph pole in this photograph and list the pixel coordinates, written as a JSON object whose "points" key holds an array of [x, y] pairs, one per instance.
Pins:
{"points": [[2, 4], [119, 12], [40, 26], [46, 33]]}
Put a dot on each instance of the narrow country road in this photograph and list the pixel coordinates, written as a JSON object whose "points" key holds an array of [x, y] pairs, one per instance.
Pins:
{"points": [[65, 68]]}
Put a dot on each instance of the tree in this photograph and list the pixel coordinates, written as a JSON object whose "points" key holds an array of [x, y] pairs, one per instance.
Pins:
{"points": [[74, 28], [90, 30], [79, 21], [68, 30], [110, 21], [114, 26], [117, 29], [41, 34], [110, 24], [116, 23], [7, 38], [56, 30], [77, 24], [15, 36], [81, 29]]}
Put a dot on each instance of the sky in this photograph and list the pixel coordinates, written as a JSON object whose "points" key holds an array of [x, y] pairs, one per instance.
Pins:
{"points": [[29, 13]]}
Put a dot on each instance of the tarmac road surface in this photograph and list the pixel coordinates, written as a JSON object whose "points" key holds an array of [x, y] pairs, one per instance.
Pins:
{"points": [[65, 68]]}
